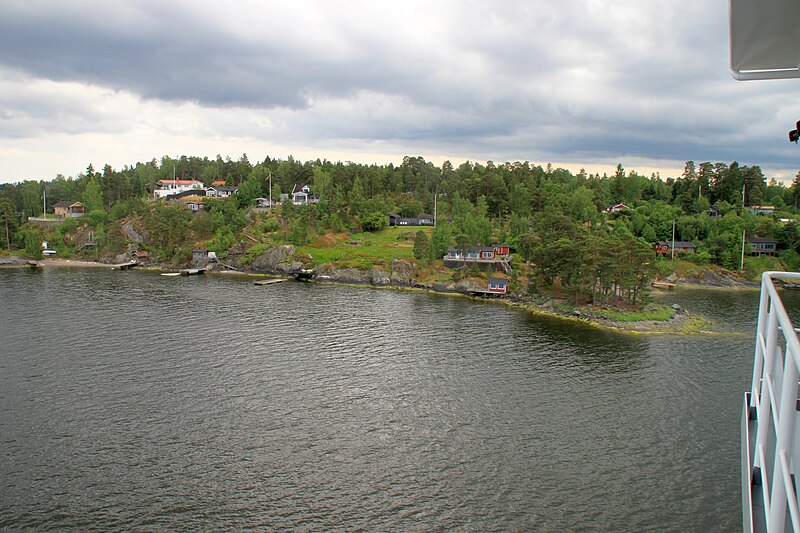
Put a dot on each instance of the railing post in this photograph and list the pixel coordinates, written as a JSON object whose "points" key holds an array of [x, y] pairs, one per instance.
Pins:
{"points": [[784, 438], [764, 405], [758, 365]]}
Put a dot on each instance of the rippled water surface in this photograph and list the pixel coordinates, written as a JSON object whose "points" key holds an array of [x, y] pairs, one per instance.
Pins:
{"points": [[130, 400]]}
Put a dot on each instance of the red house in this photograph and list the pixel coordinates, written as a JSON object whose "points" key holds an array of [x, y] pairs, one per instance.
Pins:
{"points": [[493, 257], [498, 286], [665, 247]]}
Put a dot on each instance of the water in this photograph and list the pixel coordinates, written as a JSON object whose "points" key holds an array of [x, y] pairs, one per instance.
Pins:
{"points": [[134, 401]]}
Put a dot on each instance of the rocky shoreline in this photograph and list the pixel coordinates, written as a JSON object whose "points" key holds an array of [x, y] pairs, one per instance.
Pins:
{"points": [[402, 274]]}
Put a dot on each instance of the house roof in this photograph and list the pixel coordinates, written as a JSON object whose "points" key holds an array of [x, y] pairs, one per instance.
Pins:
{"points": [[177, 182], [67, 203], [224, 188], [758, 240], [678, 244], [472, 249], [218, 182]]}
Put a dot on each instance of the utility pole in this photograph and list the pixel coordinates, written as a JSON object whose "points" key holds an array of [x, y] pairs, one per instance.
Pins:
{"points": [[741, 265], [673, 240], [44, 203], [270, 192], [434, 209]]}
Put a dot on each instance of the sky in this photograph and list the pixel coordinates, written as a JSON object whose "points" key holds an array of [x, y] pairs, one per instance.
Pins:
{"points": [[578, 83]]}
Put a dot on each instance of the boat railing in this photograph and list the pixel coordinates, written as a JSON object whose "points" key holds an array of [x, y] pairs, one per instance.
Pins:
{"points": [[770, 418]]}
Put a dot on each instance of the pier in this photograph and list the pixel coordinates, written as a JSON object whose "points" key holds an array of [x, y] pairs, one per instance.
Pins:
{"points": [[126, 266], [262, 282], [663, 285]]}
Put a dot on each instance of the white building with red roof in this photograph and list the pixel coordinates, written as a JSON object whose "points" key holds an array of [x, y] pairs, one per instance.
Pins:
{"points": [[166, 187]]}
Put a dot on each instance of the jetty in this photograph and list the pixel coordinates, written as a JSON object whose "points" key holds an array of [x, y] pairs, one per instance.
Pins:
{"points": [[126, 266], [269, 281], [192, 271], [663, 285]]}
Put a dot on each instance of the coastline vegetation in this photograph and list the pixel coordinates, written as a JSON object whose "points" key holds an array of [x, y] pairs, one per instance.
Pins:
{"points": [[567, 241]]}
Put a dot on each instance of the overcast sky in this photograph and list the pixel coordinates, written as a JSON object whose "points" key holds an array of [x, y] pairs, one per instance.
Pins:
{"points": [[579, 83]]}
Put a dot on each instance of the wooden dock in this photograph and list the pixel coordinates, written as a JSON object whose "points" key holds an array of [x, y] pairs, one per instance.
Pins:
{"points": [[269, 281], [126, 266], [192, 271], [663, 285]]}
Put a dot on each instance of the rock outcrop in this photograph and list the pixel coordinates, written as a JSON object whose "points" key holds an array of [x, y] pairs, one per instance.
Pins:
{"points": [[130, 232], [277, 260], [379, 278], [403, 273], [713, 278], [12, 260]]}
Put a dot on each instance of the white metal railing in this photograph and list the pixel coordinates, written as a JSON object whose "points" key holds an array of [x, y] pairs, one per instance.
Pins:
{"points": [[770, 453]]}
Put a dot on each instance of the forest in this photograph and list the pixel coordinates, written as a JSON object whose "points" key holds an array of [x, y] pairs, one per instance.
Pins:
{"points": [[555, 221]]}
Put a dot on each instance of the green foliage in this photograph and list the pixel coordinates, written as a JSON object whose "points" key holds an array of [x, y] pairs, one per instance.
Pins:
{"points": [[271, 225], [550, 216], [362, 250], [254, 253], [703, 257], [298, 231], [69, 224], [223, 240], [422, 246], [30, 238], [660, 314], [95, 218], [167, 226], [374, 222], [755, 266], [92, 196], [440, 241], [249, 190], [791, 260], [8, 221]]}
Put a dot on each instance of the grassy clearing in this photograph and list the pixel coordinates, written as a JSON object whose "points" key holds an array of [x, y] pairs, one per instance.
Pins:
{"points": [[362, 250], [660, 314]]}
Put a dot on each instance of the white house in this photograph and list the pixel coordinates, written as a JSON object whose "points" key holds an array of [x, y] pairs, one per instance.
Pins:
{"points": [[221, 191], [303, 196], [166, 187]]}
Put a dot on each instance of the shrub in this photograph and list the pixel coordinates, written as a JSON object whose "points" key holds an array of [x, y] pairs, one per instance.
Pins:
{"points": [[374, 222], [271, 225]]}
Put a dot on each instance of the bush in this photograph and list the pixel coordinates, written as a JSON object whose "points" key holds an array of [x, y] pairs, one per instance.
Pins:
{"points": [[271, 225], [254, 253], [96, 218], [699, 258], [374, 222], [791, 260]]}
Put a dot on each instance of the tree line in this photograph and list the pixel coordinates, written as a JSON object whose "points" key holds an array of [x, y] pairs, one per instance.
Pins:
{"points": [[553, 218]]}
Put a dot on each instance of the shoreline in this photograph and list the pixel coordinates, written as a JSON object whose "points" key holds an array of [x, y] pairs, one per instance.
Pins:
{"points": [[680, 323]]}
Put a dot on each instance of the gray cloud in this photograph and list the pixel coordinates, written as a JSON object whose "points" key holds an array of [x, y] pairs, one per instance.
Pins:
{"points": [[521, 79]]}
